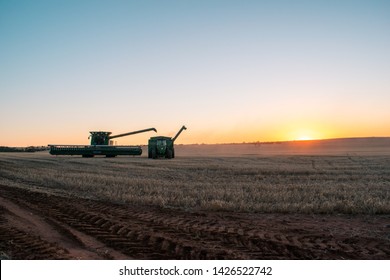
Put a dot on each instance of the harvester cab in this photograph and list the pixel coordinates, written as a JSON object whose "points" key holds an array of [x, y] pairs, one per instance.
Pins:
{"points": [[163, 146], [99, 137]]}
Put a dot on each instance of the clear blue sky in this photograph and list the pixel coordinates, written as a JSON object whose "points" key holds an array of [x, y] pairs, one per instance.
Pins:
{"points": [[231, 71]]}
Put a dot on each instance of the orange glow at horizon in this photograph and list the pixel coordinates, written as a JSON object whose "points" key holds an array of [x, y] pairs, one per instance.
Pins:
{"points": [[253, 131], [304, 138]]}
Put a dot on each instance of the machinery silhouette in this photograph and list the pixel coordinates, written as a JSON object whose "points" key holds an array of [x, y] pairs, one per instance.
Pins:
{"points": [[101, 144], [162, 146]]}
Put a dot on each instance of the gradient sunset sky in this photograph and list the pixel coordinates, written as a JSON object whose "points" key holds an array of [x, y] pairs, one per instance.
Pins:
{"points": [[231, 71]]}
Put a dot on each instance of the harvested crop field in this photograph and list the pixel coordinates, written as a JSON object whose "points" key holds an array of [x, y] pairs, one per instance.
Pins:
{"points": [[253, 205]]}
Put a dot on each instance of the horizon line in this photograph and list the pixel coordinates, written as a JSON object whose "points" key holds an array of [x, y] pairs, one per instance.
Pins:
{"points": [[236, 143]]}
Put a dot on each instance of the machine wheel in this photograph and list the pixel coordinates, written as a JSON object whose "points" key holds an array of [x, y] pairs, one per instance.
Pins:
{"points": [[169, 153], [153, 154], [173, 153]]}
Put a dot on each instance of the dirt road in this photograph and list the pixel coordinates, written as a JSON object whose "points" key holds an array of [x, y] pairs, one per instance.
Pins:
{"points": [[35, 225]]}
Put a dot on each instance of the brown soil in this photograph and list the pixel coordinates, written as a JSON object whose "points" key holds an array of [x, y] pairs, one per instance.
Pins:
{"points": [[35, 225]]}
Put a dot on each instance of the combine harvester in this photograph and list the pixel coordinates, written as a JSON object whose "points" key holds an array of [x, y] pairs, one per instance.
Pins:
{"points": [[101, 145], [162, 146]]}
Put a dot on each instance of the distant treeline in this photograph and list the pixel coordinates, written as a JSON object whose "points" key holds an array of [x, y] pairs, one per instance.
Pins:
{"points": [[29, 149]]}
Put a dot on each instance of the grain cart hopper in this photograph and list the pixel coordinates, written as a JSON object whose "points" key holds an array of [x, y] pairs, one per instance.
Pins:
{"points": [[100, 145], [162, 146]]}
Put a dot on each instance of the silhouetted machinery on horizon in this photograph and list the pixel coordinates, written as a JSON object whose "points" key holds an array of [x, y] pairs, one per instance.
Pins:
{"points": [[101, 144], [162, 146]]}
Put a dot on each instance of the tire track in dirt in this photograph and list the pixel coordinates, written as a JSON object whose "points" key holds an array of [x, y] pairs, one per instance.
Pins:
{"points": [[211, 234], [135, 239], [153, 233], [25, 245], [271, 239], [61, 238]]}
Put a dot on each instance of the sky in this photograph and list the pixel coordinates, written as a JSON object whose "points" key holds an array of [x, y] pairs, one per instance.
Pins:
{"points": [[231, 71]]}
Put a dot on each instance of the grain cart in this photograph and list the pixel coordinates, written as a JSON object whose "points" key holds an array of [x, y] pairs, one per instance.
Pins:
{"points": [[101, 144], [162, 146]]}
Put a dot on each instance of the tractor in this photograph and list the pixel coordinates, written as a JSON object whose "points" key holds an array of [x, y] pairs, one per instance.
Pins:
{"points": [[163, 146]]}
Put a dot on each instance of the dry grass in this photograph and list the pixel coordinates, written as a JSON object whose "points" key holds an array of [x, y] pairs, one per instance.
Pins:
{"points": [[290, 184]]}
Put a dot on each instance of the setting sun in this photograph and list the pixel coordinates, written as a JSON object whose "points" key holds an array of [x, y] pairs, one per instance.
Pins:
{"points": [[304, 132], [304, 138]]}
